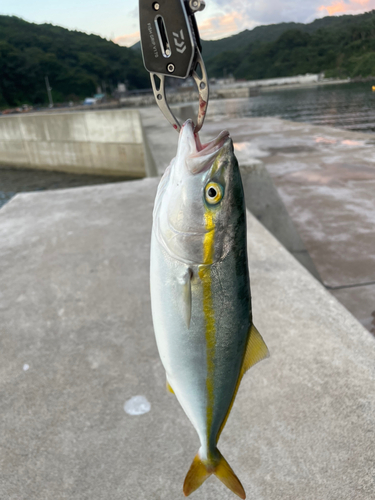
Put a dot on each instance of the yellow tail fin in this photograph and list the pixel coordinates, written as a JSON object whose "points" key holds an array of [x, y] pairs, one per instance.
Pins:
{"points": [[226, 475], [199, 471], [196, 476]]}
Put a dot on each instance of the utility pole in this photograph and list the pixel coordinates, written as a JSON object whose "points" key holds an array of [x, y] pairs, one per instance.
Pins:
{"points": [[49, 92]]}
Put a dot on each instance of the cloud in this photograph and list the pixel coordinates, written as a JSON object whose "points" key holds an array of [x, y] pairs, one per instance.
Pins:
{"points": [[273, 11], [214, 27], [127, 40], [227, 18], [347, 7], [255, 12], [223, 25]]}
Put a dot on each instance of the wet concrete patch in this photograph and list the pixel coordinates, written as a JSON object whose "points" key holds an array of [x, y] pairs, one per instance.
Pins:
{"points": [[336, 223], [333, 173], [287, 150], [360, 301]]}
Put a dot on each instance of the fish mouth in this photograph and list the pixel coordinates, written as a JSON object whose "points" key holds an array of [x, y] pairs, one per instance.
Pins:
{"points": [[202, 156], [212, 146]]}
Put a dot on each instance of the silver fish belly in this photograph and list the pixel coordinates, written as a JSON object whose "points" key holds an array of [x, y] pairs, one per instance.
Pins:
{"points": [[200, 293]]}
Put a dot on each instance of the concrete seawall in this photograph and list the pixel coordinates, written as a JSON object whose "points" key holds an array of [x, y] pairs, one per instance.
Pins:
{"points": [[100, 142]]}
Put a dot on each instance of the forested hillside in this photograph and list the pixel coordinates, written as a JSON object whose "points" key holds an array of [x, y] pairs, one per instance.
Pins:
{"points": [[271, 32], [76, 63], [340, 46]]}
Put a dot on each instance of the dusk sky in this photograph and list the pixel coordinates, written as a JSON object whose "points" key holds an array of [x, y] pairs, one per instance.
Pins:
{"points": [[118, 19]]}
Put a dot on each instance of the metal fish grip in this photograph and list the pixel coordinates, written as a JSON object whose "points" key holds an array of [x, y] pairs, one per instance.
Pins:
{"points": [[171, 47]]}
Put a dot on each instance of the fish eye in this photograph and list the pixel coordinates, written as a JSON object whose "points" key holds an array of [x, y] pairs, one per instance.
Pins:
{"points": [[213, 193]]}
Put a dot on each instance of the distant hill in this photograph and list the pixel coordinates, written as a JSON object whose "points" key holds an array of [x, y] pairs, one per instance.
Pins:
{"points": [[271, 32], [76, 63], [340, 46], [211, 48]]}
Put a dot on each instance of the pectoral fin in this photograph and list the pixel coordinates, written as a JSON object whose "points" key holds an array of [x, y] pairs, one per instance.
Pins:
{"points": [[186, 298], [169, 387]]}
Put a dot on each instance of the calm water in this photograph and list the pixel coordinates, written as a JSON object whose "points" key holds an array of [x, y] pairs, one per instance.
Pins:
{"points": [[349, 106]]}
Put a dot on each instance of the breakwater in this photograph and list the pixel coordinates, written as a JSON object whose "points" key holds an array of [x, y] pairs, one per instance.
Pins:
{"points": [[100, 142]]}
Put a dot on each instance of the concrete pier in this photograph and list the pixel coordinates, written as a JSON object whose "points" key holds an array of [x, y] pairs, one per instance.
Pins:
{"points": [[77, 343], [97, 142]]}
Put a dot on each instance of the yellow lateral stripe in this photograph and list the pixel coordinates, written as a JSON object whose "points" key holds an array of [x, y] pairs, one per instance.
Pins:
{"points": [[205, 276], [208, 311], [208, 242]]}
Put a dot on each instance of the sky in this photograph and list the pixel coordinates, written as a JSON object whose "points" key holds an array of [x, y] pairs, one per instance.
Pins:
{"points": [[117, 20]]}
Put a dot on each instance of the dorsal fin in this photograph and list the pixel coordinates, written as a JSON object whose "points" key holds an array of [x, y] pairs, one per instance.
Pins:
{"points": [[256, 350]]}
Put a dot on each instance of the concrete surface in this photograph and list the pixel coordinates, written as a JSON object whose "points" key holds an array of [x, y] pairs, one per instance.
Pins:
{"points": [[98, 142], [161, 137], [360, 301], [77, 343], [264, 202]]}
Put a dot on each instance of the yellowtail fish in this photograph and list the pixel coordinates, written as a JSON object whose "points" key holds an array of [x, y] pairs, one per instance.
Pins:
{"points": [[200, 293]]}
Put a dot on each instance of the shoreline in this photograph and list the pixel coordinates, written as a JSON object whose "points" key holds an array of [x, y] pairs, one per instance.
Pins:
{"points": [[322, 83], [233, 91]]}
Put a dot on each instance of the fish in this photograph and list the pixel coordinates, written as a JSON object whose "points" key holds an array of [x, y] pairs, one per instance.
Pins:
{"points": [[200, 293]]}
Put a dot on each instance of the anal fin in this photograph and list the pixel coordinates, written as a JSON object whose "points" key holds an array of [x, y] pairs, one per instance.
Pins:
{"points": [[256, 350]]}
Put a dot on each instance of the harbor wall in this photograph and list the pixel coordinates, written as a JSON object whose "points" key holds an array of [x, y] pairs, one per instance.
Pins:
{"points": [[96, 142], [285, 80]]}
